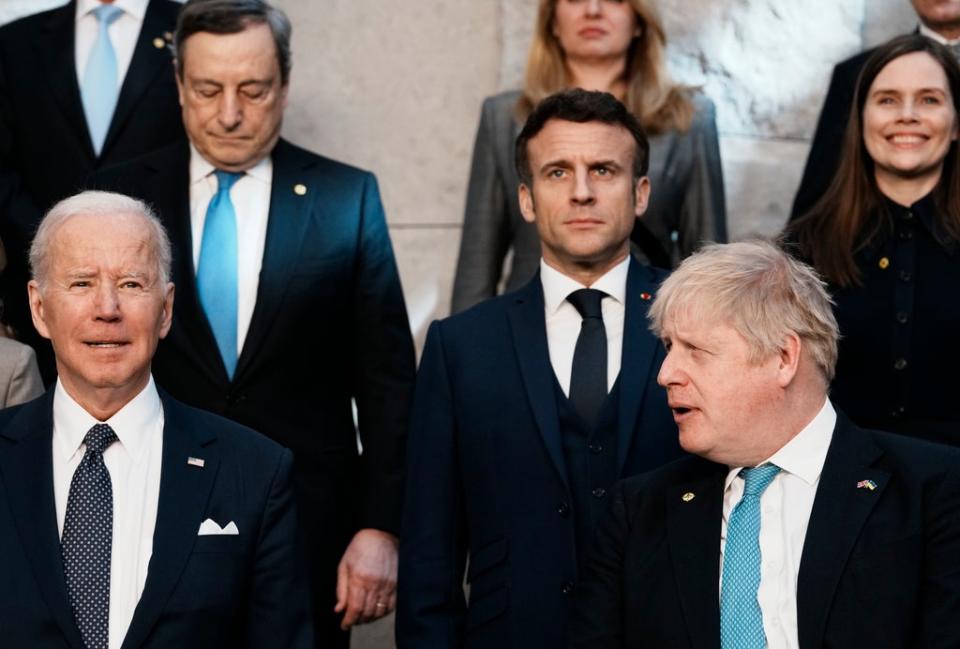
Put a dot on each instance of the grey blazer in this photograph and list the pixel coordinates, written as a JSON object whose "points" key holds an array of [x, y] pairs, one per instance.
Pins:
{"points": [[686, 200], [19, 375]]}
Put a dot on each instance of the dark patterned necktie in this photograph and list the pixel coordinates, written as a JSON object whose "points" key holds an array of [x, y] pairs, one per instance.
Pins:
{"points": [[87, 540], [588, 375]]}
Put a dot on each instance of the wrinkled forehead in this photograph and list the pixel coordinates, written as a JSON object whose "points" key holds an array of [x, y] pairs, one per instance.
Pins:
{"points": [[120, 238]]}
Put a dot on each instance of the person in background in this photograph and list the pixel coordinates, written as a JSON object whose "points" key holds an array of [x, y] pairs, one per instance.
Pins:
{"points": [[82, 87], [530, 406], [290, 304], [612, 46], [788, 526], [19, 376], [940, 21], [886, 236]]}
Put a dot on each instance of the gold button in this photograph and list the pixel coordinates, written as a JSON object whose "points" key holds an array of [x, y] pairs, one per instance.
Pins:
{"points": [[299, 189], [687, 497], [159, 43], [884, 263]]}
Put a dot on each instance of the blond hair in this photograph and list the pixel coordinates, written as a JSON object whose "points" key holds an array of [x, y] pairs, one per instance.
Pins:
{"points": [[659, 104], [760, 291]]}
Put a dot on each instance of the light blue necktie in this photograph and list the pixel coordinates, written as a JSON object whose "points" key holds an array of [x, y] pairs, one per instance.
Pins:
{"points": [[100, 84], [741, 622], [217, 269]]}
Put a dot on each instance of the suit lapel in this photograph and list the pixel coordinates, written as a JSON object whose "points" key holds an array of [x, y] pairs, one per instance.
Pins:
{"points": [[694, 513], [840, 510], [168, 175], [184, 492], [26, 468], [148, 61], [530, 343], [638, 355], [56, 49], [286, 226]]}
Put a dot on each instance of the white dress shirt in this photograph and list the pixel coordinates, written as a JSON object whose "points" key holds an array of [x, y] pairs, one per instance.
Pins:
{"points": [[134, 465], [929, 33], [251, 203], [123, 34], [563, 320], [784, 515]]}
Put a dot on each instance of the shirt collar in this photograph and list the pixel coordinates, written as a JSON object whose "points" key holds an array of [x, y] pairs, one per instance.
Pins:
{"points": [[136, 8], [131, 423], [557, 286], [200, 168], [804, 455], [932, 35]]}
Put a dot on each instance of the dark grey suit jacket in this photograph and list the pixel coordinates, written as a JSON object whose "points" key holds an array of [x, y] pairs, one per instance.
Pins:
{"points": [[686, 198]]}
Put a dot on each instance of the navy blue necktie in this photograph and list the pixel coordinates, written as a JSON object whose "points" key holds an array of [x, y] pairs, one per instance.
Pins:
{"points": [[741, 621], [87, 540], [217, 269], [588, 375]]}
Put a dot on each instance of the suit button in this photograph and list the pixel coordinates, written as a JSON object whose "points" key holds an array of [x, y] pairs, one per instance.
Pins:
{"points": [[900, 363], [599, 492], [905, 235], [596, 449], [902, 317], [905, 276], [908, 216], [563, 510], [566, 587]]}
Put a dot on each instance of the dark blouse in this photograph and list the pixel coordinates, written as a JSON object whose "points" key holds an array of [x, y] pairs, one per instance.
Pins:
{"points": [[899, 364]]}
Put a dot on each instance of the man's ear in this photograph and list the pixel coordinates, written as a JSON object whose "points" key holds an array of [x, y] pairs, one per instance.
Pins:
{"points": [[35, 296], [641, 196], [526, 203], [788, 361]]}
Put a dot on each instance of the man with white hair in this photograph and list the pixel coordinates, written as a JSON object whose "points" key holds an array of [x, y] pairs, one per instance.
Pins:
{"points": [[789, 526], [128, 518]]}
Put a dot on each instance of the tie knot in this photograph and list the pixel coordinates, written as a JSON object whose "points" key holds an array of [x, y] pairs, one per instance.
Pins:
{"points": [[758, 478], [587, 302], [106, 14], [225, 180], [99, 438]]}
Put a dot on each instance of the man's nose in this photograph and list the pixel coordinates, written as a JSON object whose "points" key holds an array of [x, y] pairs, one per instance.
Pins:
{"points": [[230, 111], [107, 302], [583, 193]]}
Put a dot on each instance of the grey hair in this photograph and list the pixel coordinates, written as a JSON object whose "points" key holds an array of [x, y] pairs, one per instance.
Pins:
{"points": [[761, 292], [232, 17], [97, 203]]}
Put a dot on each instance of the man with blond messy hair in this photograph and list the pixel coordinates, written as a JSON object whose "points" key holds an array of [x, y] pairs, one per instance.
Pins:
{"points": [[814, 532]]}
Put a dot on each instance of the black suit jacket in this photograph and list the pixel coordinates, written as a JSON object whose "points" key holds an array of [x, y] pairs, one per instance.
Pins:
{"points": [[824, 156], [488, 477], [329, 326], [201, 591], [880, 568], [45, 148]]}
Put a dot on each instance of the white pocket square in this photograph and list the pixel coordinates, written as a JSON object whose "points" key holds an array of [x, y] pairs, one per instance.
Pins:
{"points": [[209, 527]]}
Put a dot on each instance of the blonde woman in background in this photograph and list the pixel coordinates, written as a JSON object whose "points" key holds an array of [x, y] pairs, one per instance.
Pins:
{"points": [[617, 47]]}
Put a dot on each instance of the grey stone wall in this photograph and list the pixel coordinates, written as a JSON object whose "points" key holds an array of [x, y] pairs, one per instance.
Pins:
{"points": [[396, 87]]}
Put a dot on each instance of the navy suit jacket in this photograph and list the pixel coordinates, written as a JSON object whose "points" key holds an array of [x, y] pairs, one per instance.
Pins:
{"points": [[45, 148], [201, 591], [880, 567], [487, 474], [329, 326]]}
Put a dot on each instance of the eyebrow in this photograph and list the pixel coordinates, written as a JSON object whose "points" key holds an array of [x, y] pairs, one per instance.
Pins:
{"points": [[566, 164], [895, 91]]}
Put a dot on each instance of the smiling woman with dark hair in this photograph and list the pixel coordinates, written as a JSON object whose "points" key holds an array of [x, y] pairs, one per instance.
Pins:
{"points": [[886, 234]]}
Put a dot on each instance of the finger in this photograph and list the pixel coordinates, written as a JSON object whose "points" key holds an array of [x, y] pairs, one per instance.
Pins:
{"points": [[370, 608], [356, 597], [343, 588]]}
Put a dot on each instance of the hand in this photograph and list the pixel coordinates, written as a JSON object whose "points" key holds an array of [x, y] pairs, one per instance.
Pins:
{"points": [[367, 578]]}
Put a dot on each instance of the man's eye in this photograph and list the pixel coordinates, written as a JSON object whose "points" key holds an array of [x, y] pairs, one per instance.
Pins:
{"points": [[79, 284], [557, 173], [207, 93], [131, 284]]}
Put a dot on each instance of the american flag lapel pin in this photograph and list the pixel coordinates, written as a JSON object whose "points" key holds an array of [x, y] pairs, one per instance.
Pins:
{"points": [[195, 461], [867, 484]]}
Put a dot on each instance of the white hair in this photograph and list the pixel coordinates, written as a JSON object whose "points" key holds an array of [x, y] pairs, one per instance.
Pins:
{"points": [[97, 203], [761, 292]]}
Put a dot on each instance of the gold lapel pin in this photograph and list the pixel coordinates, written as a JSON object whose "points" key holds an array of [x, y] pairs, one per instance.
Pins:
{"points": [[884, 263], [159, 43], [687, 497], [299, 189]]}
